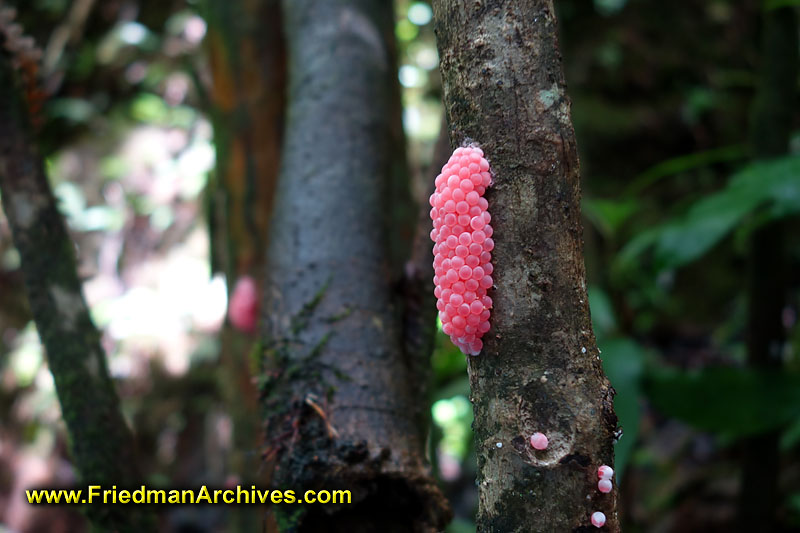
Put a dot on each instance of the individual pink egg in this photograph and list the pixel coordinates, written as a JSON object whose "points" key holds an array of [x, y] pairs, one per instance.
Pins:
{"points": [[604, 485], [539, 441], [243, 306], [605, 472], [598, 519]]}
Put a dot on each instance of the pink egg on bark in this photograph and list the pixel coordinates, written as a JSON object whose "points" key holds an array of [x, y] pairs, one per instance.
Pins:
{"points": [[539, 441], [462, 247], [605, 472], [598, 519], [604, 486], [243, 306]]}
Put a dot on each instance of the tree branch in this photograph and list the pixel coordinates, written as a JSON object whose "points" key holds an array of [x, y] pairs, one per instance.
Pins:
{"points": [[540, 370], [101, 443], [340, 406]]}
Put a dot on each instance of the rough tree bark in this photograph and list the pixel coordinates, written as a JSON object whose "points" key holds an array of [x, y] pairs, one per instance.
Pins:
{"points": [[100, 441], [540, 369], [340, 404], [766, 289]]}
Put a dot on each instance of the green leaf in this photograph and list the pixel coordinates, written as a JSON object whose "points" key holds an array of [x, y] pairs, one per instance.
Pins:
{"points": [[730, 401], [623, 361], [687, 238], [775, 4], [608, 215], [603, 319], [684, 163], [707, 222]]}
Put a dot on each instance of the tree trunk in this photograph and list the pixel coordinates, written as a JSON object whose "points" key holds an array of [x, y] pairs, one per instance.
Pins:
{"points": [[339, 387], [540, 369], [100, 441], [766, 292], [247, 102]]}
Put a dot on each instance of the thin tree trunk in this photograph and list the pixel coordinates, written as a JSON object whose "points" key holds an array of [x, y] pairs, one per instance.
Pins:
{"points": [[540, 369], [247, 102], [771, 129], [339, 387], [100, 441]]}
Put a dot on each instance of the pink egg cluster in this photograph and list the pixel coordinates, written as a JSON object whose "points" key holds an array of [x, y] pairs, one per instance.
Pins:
{"points": [[604, 474], [462, 250]]}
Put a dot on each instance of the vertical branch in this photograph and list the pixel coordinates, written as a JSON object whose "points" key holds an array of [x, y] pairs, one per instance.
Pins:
{"points": [[100, 441], [247, 56], [248, 97], [540, 370], [771, 128], [338, 396]]}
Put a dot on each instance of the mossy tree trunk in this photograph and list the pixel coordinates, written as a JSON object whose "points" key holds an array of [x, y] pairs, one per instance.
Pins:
{"points": [[540, 369], [340, 384], [100, 441]]}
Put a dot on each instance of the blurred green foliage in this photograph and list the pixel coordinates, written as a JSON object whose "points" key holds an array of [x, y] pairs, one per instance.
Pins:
{"points": [[762, 191]]}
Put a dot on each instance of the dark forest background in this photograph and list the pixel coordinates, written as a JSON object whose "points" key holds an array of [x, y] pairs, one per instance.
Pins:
{"points": [[673, 194]]}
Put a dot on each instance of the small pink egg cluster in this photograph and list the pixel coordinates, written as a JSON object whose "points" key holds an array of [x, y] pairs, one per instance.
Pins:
{"points": [[604, 474], [462, 249]]}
